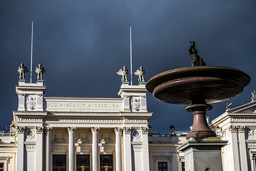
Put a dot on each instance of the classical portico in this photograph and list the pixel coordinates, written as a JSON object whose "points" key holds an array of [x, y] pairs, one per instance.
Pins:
{"points": [[82, 133]]}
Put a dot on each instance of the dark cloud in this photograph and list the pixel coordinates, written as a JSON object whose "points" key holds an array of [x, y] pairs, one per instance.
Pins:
{"points": [[83, 43]]}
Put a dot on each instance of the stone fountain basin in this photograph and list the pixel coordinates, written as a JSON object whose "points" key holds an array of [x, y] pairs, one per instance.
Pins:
{"points": [[198, 84]]}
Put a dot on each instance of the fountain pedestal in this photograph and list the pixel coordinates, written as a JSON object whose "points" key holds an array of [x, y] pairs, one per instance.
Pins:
{"points": [[203, 154]]}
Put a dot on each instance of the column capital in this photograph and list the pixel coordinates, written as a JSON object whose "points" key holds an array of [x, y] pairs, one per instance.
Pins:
{"points": [[21, 129], [144, 130], [127, 130], [48, 130], [118, 130], [71, 130], [39, 129], [241, 128], [95, 130], [233, 129]]}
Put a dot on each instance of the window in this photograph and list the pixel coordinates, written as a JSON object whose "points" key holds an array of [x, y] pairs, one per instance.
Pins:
{"points": [[1, 167], [83, 162], [162, 166], [106, 162], [182, 166], [59, 162]]}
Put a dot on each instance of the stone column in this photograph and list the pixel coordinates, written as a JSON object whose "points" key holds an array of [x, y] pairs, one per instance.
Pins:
{"points": [[234, 149], [252, 158], [118, 149], [48, 149], [127, 149], [243, 150], [145, 150], [20, 152], [71, 148], [39, 148], [95, 151]]}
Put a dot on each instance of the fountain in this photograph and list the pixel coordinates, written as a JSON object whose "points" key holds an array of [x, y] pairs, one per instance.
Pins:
{"points": [[198, 86]]}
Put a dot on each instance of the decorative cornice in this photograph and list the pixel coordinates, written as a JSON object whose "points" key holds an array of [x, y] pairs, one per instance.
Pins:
{"points": [[29, 120], [136, 120], [8, 149], [29, 146], [137, 146], [243, 119]]}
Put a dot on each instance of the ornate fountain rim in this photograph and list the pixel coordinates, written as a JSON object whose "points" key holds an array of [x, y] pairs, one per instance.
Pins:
{"points": [[215, 71]]}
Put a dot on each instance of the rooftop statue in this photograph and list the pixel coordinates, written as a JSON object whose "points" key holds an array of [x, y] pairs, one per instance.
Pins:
{"points": [[196, 59], [40, 71], [140, 72], [124, 73], [22, 69]]}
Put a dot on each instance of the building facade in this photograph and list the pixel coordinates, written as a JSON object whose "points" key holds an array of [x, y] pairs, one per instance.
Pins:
{"points": [[84, 134], [238, 127], [110, 134]]}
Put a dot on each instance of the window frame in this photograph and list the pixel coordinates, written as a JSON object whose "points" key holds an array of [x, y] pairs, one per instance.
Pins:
{"points": [[77, 167], [59, 154], [167, 164]]}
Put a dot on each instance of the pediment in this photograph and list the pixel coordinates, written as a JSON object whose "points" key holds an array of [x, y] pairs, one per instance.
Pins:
{"points": [[246, 108]]}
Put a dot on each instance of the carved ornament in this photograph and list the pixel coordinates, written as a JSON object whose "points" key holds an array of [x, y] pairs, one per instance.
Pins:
{"points": [[252, 134], [71, 130], [135, 104], [140, 73], [95, 130], [31, 102], [127, 130], [241, 128], [118, 130], [48, 130], [30, 134], [144, 130], [22, 69], [233, 129], [39, 129], [21, 129], [123, 72], [59, 138], [40, 71]]}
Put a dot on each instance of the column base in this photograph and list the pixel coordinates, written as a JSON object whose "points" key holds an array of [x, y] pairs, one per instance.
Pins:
{"points": [[203, 153]]}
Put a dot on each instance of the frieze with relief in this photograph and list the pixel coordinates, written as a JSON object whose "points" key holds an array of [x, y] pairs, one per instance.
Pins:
{"points": [[83, 138], [252, 134], [107, 138], [59, 138]]}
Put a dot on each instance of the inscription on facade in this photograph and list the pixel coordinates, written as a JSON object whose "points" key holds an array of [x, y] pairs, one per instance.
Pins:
{"points": [[67, 106]]}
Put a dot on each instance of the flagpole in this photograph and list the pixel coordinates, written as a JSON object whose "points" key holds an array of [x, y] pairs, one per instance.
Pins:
{"points": [[31, 52], [131, 52]]}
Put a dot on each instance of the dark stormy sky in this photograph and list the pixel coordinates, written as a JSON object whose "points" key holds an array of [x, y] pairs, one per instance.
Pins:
{"points": [[83, 43]]}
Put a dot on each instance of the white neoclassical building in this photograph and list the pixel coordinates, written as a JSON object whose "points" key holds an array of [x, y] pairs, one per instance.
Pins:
{"points": [[85, 134], [238, 127], [110, 134]]}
